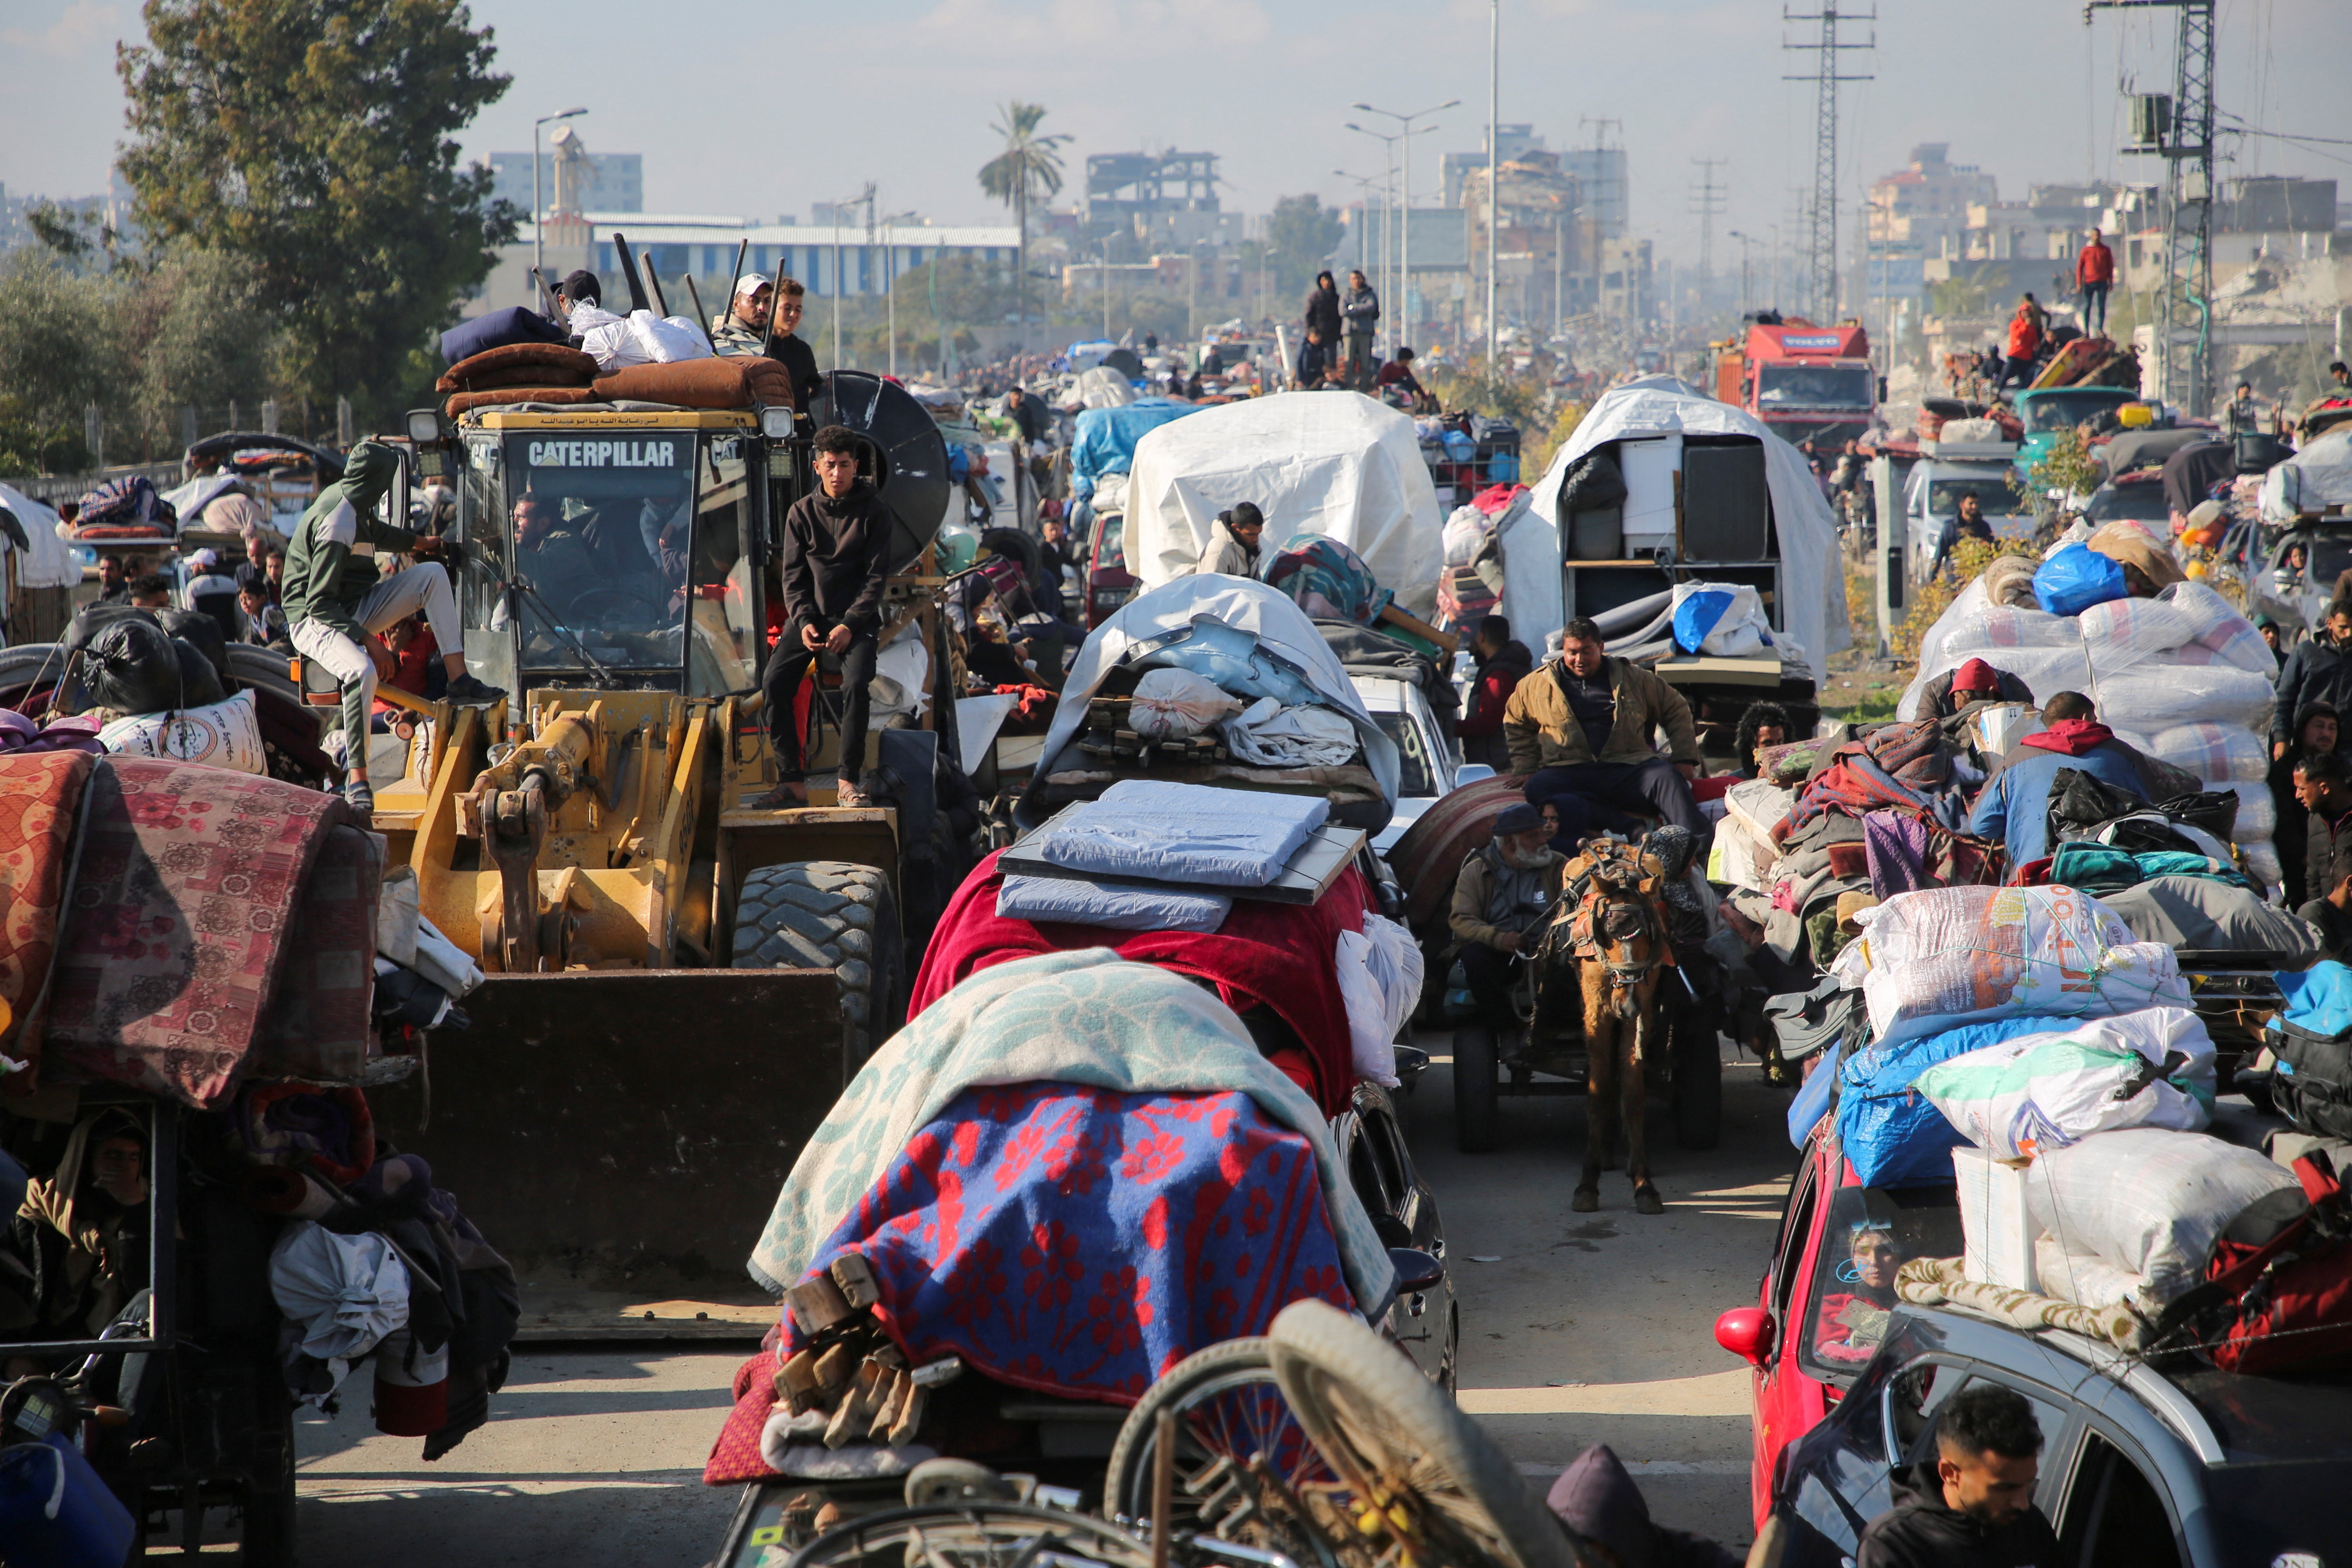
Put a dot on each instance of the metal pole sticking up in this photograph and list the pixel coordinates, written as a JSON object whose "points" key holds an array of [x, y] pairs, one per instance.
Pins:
{"points": [[1494, 101], [1825, 77]]}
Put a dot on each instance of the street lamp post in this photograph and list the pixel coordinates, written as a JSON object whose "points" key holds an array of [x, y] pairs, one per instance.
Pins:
{"points": [[1494, 131], [537, 258], [1405, 237], [1745, 241]]}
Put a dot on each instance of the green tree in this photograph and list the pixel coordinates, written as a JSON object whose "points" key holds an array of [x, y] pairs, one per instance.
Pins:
{"points": [[1301, 232], [205, 339], [59, 354], [312, 144], [1028, 166]]}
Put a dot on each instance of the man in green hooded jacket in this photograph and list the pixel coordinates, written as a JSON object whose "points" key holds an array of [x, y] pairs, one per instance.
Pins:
{"points": [[335, 599]]}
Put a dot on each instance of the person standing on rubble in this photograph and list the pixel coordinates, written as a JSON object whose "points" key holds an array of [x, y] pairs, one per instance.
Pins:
{"points": [[1579, 728], [836, 558], [1361, 311], [334, 601], [2095, 275], [2025, 343]]}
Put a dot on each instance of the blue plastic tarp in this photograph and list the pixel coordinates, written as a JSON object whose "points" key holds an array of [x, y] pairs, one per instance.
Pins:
{"points": [[1893, 1135], [1106, 437]]}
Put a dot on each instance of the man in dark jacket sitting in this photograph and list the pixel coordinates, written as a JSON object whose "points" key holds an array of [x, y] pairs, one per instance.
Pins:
{"points": [[1971, 1506], [835, 557], [1500, 894]]}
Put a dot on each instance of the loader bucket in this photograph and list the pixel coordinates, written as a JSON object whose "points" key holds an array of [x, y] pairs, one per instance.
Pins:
{"points": [[624, 1130]]}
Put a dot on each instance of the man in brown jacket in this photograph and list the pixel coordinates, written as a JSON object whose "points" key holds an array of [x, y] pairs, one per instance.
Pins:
{"points": [[1579, 732], [1502, 891]]}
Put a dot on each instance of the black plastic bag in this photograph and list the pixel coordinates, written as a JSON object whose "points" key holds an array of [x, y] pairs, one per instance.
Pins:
{"points": [[203, 633], [133, 666]]}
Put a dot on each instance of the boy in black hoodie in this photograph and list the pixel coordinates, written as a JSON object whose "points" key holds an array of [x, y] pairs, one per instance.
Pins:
{"points": [[835, 559], [1971, 1506]]}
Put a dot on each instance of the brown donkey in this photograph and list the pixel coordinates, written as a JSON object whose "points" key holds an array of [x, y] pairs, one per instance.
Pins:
{"points": [[1617, 933]]}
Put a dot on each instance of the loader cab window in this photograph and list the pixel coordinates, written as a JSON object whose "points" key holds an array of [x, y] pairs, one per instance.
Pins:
{"points": [[598, 539], [1813, 387], [723, 649]]}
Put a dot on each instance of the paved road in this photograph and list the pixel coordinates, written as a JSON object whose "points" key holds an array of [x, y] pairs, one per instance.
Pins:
{"points": [[1583, 1327]]}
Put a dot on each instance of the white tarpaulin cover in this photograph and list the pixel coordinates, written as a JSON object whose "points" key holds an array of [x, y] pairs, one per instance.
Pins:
{"points": [[1333, 463], [50, 562], [1265, 614], [1814, 617], [2319, 476]]}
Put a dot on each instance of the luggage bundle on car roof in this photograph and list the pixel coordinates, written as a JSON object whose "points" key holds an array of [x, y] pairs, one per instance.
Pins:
{"points": [[2025, 1044]]}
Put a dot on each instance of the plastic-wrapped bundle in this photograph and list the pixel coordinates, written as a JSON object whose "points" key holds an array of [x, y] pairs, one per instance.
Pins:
{"points": [[1930, 960], [2209, 751], [2151, 698], [2257, 812], [2262, 863], [2185, 616], [2024, 1096]]}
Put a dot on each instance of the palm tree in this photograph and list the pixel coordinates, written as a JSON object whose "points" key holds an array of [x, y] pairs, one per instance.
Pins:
{"points": [[1028, 163]]}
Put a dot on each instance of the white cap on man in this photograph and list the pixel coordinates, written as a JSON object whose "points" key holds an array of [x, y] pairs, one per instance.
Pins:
{"points": [[751, 283]]}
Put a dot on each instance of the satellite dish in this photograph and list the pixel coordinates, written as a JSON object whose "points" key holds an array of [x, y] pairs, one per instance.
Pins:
{"points": [[910, 456]]}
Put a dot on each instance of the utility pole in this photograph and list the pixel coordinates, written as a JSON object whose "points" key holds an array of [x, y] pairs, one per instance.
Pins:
{"points": [[1825, 77], [2184, 309], [1710, 197]]}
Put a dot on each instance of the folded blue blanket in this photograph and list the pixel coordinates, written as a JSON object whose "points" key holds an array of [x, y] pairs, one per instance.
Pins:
{"points": [[1083, 902], [1184, 833]]}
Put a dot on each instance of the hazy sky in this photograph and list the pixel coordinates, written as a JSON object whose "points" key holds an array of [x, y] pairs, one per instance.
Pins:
{"points": [[763, 108]]}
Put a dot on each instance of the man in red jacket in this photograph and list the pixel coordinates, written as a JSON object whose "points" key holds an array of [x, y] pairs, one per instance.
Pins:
{"points": [[2025, 343], [1502, 663], [2095, 274]]}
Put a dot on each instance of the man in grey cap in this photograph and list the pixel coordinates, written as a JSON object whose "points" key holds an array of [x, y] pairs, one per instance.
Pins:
{"points": [[1502, 893]]}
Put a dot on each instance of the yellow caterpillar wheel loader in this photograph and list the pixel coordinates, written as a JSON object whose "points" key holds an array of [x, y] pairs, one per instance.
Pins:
{"points": [[678, 985]]}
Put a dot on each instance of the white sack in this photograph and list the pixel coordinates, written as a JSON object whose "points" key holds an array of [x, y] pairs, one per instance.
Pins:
{"points": [[1335, 463], [1380, 971], [2149, 1201], [665, 340], [346, 1292], [2024, 1096], [1932, 961], [225, 734], [1273, 736], [1176, 704], [2072, 1277]]}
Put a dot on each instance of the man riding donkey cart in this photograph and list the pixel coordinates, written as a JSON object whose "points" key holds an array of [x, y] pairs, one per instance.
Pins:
{"points": [[1606, 924]]}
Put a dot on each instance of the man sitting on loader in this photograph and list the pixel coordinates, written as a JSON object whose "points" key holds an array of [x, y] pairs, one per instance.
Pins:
{"points": [[836, 559], [1500, 896], [1578, 730], [334, 601]]}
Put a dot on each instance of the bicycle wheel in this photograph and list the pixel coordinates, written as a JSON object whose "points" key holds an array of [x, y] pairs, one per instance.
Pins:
{"points": [[1230, 1411], [972, 1535], [1419, 1470]]}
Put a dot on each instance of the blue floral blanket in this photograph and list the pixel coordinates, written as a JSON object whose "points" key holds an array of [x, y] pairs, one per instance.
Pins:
{"points": [[1087, 1018], [1081, 1242]]}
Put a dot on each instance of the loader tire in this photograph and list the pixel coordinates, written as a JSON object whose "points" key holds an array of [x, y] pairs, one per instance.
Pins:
{"points": [[829, 914]]}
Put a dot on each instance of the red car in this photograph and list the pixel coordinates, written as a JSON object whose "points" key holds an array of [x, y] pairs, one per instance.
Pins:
{"points": [[1832, 1277], [1109, 584]]}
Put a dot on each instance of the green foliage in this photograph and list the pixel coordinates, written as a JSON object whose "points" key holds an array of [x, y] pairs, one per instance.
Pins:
{"points": [[312, 145], [2067, 465], [1301, 232], [1968, 559], [1496, 391], [57, 353]]}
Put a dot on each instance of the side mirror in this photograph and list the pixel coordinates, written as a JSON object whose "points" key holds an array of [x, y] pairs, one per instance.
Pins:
{"points": [[776, 424], [395, 507], [424, 427], [1416, 1271], [1472, 772], [1746, 1332]]}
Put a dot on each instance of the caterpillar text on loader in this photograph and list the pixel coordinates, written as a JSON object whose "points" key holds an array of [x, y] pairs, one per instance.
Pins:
{"points": [[679, 986]]}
